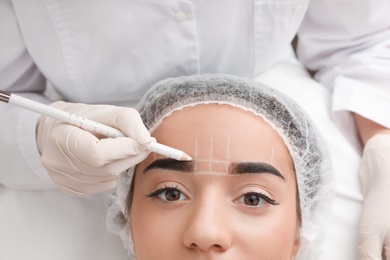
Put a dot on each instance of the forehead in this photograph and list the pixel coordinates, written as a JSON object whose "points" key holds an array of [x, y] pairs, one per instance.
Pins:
{"points": [[215, 135]]}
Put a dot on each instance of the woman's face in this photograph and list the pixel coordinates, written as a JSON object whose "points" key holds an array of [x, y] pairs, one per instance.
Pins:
{"points": [[235, 200]]}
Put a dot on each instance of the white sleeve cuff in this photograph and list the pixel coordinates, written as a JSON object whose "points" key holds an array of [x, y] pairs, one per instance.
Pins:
{"points": [[351, 95], [26, 132]]}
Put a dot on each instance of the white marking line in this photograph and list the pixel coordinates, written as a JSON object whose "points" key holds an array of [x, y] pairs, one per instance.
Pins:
{"points": [[211, 155], [211, 161], [227, 155], [214, 161], [196, 154]]}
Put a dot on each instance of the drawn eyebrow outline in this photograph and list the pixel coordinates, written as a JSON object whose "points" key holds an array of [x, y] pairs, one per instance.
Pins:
{"points": [[171, 164], [255, 167], [234, 168]]}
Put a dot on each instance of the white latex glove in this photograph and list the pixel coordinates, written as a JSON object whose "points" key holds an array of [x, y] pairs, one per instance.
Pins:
{"points": [[374, 226], [80, 162]]}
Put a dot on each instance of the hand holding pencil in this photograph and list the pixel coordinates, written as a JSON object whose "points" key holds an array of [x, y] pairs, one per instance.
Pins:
{"points": [[73, 147], [83, 164]]}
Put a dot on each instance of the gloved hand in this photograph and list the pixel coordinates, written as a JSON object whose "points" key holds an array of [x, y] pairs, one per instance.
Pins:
{"points": [[374, 226], [82, 163]]}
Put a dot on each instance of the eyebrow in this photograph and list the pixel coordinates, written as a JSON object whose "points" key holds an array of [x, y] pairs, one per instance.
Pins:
{"points": [[171, 164], [255, 167], [234, 168]]}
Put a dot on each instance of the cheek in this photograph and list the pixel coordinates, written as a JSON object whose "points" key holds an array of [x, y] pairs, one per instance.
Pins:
{"points": [[141, 218], [152, 228], [269, 237]]}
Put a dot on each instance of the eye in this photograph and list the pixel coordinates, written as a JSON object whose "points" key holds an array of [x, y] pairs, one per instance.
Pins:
{"points": [[168, 194], [255, 199]]}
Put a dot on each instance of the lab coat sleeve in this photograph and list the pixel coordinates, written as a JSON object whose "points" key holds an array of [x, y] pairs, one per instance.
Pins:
{"points": [[20, 166], [347, 44]]}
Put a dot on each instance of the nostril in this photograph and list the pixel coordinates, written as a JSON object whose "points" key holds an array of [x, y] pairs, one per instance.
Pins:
{"points": [[215, 247]]}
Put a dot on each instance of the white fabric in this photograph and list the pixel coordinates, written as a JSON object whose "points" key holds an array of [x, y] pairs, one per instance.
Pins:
{"points": [[95, 51], [348, 41], [49, 225]]}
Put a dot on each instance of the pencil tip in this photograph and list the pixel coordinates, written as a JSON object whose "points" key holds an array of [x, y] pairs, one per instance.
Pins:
{"points": [[186, 157]]}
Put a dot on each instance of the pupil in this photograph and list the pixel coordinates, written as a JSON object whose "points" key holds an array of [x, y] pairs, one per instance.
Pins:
{"points": [[173, 195], [251, 199]]}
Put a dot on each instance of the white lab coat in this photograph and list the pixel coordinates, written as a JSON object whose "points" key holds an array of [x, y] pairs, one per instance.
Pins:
{"points": [[97, 51]]}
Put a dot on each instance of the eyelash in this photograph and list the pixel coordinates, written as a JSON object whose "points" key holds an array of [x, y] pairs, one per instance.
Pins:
{"points": [[260, 195], [160, 191]]}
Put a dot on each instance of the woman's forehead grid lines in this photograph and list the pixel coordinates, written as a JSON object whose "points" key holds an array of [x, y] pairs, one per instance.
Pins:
{"points": [[214, 161]]}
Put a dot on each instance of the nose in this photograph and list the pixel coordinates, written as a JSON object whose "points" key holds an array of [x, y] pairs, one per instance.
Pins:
{"points": [[207, 228]]}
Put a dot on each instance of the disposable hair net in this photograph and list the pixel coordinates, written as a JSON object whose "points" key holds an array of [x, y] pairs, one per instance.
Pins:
{"points": [[311, 159]]}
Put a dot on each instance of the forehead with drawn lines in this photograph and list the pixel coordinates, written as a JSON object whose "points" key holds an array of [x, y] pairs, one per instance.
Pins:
{"points": [[216, 136], [214, 156]]}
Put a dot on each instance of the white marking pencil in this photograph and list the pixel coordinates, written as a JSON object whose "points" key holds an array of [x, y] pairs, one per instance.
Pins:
{"points": [[86, 124]]}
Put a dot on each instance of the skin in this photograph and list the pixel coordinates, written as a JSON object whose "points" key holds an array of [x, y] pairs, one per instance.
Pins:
{"points": [[220, 205], [368, 129]]}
